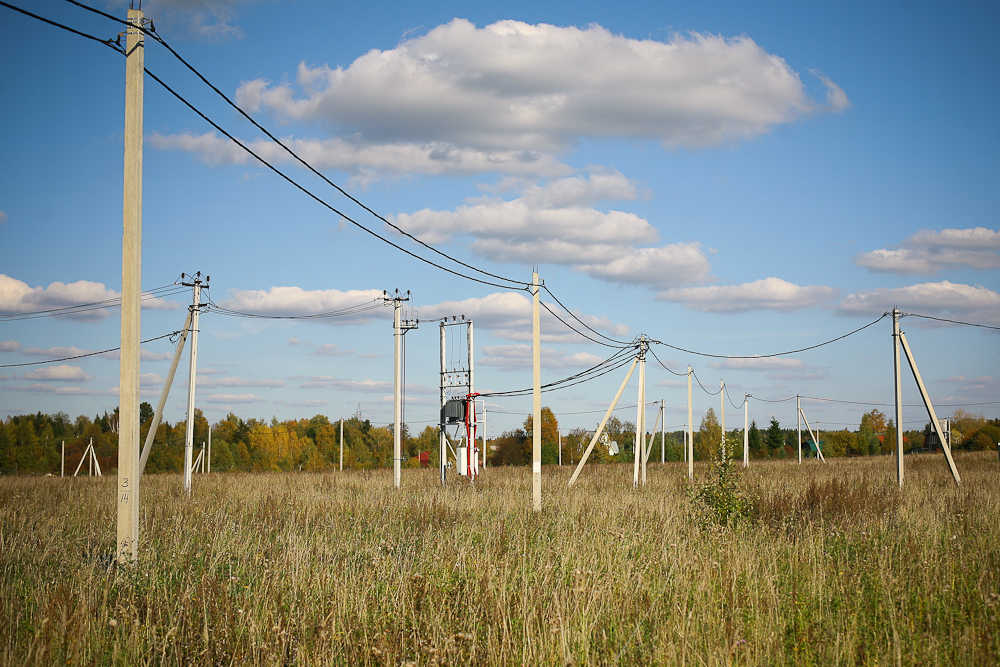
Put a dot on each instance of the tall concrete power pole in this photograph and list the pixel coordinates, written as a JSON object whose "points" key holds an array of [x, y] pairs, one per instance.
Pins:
{"points": [[536, 430], [127, 492], [192, 378]]}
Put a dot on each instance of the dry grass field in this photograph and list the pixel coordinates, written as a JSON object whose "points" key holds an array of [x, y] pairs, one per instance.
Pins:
{"points": [[832, 565]]}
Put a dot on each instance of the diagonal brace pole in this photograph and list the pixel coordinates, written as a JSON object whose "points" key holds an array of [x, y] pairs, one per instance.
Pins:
{"points": [[945, 445], [600, 429]]}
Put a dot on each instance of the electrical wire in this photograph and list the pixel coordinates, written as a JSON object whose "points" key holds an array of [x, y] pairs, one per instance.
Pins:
{"points": [[67, 311], [942, 319], [88, 354], [775, 354], [571, 328], [731, 402], [710, 393], [282, 175], [153, 34], [612, 363], [343, 312], [556, 299], [664, 365]]}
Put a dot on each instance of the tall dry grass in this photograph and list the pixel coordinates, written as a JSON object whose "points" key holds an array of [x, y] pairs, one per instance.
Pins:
{"points": [[834, 566]]}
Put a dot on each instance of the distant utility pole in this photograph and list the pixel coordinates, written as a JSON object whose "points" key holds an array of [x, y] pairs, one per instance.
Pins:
{"points": [[746, 432], [195, 309], [899, 396], [399, 327], [536, 393], [722, 400], [690, 432], [798, 418], [126, 493], [640, 419], [341, 444]]}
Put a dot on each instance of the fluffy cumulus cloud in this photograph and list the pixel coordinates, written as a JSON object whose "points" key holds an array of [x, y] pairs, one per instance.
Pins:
{"points": [[928, 252], [556, 223], [343, 307], [508, 315], [759, 364], [517, 357], [60, 373], [9, 346], [973, 303], [766, 294], [17, 296], [508, 96]]}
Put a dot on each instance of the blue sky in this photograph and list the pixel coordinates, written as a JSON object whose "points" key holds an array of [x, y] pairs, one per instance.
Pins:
{"points": [[728, 178]]}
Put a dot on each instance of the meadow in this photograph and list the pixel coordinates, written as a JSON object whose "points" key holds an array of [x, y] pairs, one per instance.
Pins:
{"points": [[824, 565]]}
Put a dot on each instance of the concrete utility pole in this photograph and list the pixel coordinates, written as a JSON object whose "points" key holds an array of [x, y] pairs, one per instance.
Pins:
{"points": [[399, 327], [126, 494], [62, 466], [899, 396], [663, 432], [640, 418], [798, 419], [192, 376], [690, 432], [342, 444], [746, 432], [560, 446], [443, 440], [722, 400], [536, 431]]}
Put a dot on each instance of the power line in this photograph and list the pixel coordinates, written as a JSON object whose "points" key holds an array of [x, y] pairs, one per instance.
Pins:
{"points": [[67, 311], [88, 354], [556, 299], [710, 393], [571, 328], [942, 319], [733, 403], [612, 363], [264, 162], [776, 354], [665, 366], [152, 33]]}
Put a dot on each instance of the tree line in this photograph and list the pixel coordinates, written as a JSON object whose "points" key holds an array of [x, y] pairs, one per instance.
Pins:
{"points": [[32, 444]]}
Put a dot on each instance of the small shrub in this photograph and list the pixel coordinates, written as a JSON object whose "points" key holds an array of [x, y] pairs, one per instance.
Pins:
{"points": [[720, 500]]}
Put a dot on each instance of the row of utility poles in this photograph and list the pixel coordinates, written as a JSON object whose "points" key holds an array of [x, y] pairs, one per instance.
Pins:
{"points": [[131, 461]]}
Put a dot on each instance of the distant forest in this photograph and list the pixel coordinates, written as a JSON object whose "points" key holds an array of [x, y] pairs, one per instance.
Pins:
{"points": [[32, 444]]}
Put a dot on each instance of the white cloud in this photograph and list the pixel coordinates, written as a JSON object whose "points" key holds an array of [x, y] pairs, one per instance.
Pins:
{"points": [[144, 355], [944, 299], [553, 223], [330, 350], [363, 386], [55, 352], [212, 382], [151, 380], [368, 161], [9, 346], [504, 98], [42, 388], [17, 296], [204, 20], [766, 294], [512, 84], [308, 404], [510, 357], [508, 315], [364, 305], [928, 252], [60, 373], [232, 398], [759, 364]]}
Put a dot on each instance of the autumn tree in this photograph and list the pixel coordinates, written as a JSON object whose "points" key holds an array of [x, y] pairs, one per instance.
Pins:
{"points": [[550, 436]]}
